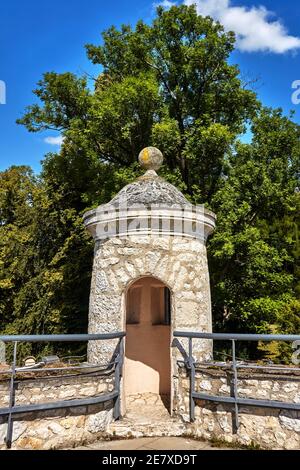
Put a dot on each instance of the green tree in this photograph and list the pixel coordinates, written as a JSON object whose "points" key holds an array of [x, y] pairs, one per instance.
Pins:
{"points": [[168, 84], [45, 258], [255, 251]]}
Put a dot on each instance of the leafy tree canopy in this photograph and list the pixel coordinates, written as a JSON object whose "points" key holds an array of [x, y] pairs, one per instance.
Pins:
{"points": [[170, 84]]}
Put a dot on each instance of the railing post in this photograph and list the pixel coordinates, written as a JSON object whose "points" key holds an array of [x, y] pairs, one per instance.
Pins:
{"points": [[118, 374], [11, 398], [192, 380], [235, 386]]}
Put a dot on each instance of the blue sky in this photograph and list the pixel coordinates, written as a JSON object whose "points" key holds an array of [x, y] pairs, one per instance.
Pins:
{"points": [[36, 37]]}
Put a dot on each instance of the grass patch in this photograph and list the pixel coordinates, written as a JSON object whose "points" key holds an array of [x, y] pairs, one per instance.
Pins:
{"points": [[218, 442]]}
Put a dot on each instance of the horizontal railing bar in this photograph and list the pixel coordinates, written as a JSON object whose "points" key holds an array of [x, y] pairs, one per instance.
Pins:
{"points": [[247, 401], [21, 370], [270, 368], [24, 370], [235, 336], [58, 405], [101, 372], [59, 338], [228, 365]]}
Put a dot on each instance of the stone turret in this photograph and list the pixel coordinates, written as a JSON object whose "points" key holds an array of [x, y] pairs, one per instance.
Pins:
{"points": [[150, 275]]}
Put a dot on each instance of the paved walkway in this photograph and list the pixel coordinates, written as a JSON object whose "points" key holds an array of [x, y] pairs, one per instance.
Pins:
{"points": [[151, 443]]}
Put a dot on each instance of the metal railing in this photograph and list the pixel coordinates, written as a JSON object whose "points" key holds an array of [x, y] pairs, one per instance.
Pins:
{"points": [[234, 399], [115, 365]]}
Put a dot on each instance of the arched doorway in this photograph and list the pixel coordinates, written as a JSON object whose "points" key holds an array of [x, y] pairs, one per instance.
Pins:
{"points": [[147, 350]]}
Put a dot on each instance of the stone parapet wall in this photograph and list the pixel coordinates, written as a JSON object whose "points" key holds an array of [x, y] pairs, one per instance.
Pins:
{"points": [[267, 428], [62, 428], [66, 428]]}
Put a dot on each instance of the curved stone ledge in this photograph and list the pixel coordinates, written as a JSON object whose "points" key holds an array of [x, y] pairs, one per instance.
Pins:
{"points": [[190, 221], [54, 429], [267, 428]]}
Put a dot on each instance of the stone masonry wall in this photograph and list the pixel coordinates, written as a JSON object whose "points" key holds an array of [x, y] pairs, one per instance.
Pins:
{"points": [[266, 427], [181, 263], [57, 428]]}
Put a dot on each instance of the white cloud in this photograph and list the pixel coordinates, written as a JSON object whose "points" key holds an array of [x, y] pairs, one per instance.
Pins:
{"points": [[254, 27], [54, 140], [164, 3]]}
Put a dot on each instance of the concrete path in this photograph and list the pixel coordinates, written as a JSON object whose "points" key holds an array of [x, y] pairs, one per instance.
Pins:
{"points": [[151, 443]]}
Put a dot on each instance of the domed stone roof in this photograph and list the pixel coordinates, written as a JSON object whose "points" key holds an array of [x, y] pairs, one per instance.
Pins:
{"points": [[149, 206], [150, 188]]}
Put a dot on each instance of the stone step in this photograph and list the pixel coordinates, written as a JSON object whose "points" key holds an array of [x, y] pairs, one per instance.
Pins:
{"points": [[127, 429], [146, 416]]}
